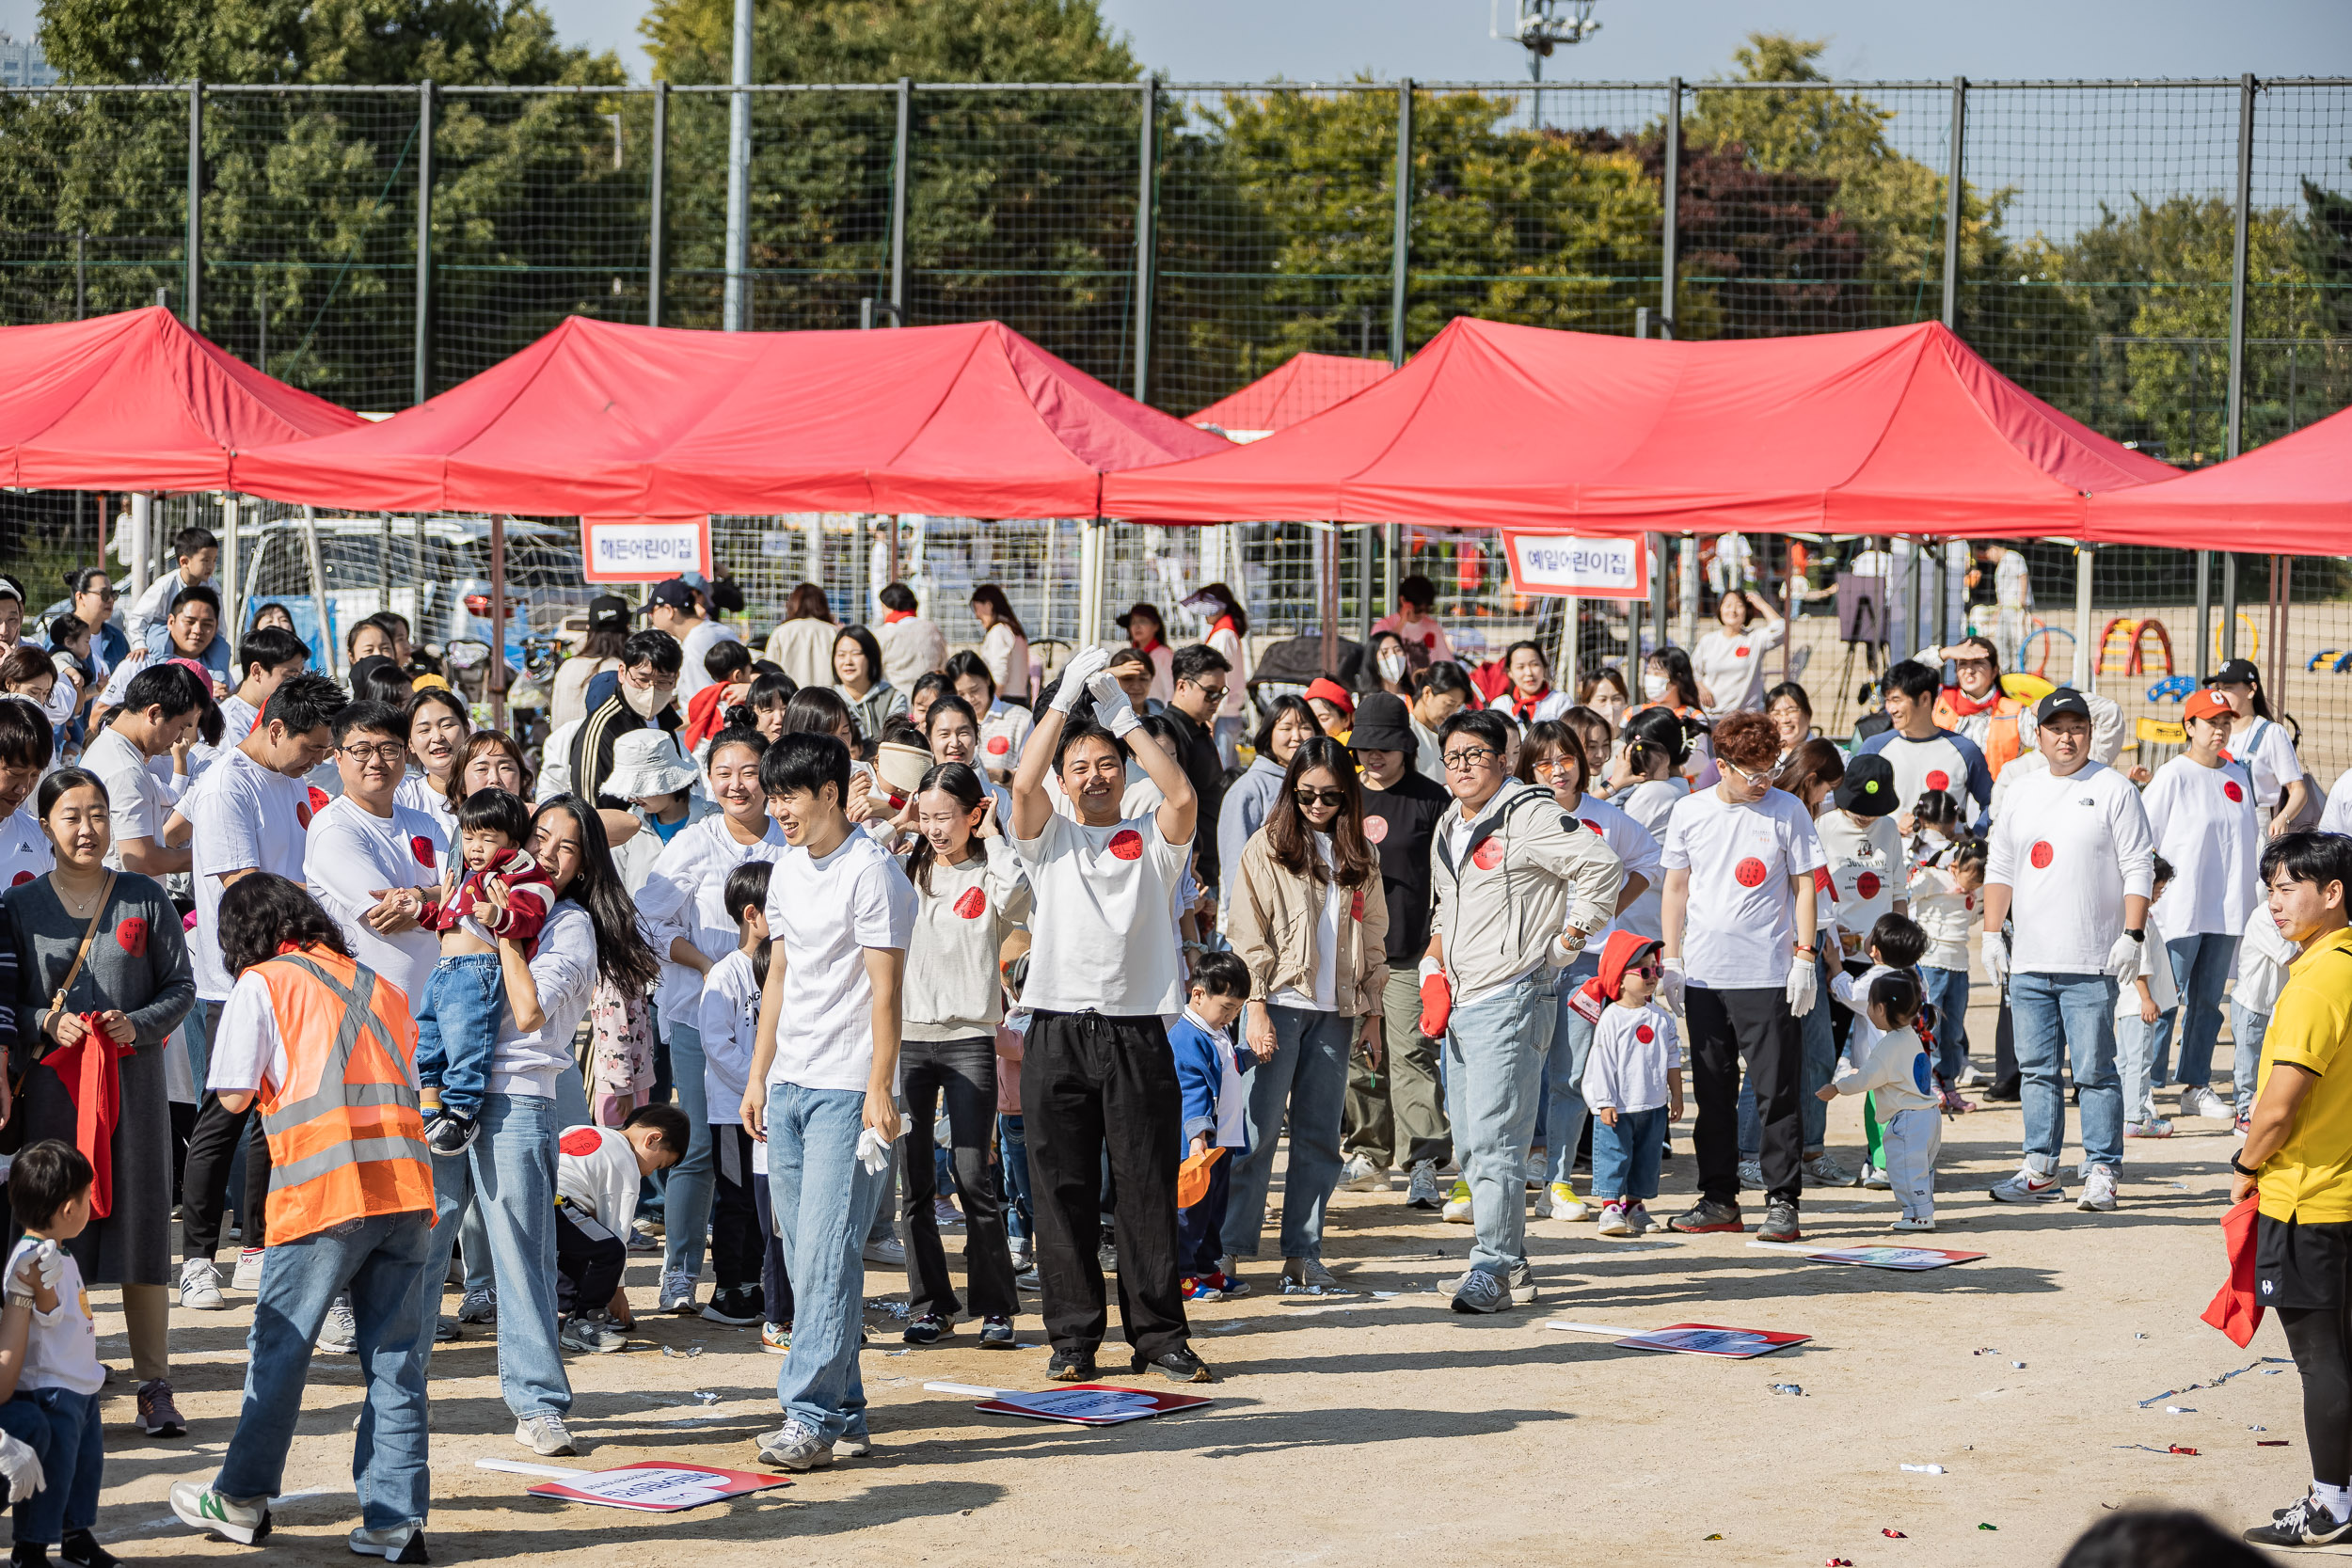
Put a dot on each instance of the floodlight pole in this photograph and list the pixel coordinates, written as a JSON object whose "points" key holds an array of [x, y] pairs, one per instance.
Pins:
{"points": [[1401, 256], [901, 160], [423, 379], [737, 312], [1671, 200], [1952, 202], [657, 261], [2235, 436], [195, 200], [1146, 171]]}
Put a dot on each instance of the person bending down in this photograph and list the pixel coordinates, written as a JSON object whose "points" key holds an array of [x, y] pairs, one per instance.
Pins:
{"points": [[597, 1173]]}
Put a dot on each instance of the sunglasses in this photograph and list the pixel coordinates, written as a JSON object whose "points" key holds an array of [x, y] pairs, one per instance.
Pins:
{"points": [[1320, 796]]}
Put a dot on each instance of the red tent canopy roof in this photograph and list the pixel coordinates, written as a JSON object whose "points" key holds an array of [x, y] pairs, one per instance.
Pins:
{"points": [[2291, 496], [598, 419], [138, 402], [1896, 430], [1300, 388]]}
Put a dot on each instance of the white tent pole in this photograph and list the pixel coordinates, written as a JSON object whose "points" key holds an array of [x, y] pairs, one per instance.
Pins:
{"points": [[318, 583], [2086, 650], [232, 583], [141, 503]]}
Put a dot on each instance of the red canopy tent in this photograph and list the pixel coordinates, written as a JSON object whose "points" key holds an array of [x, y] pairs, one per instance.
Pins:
{"points": [[138, 402], [1300, 388], [1899, 430], [2291, 496], [601, 419]]}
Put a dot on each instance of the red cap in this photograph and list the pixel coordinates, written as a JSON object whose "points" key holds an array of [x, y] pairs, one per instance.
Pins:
{"points": [[1333, 692], [1623, 950], [2207, 704]]}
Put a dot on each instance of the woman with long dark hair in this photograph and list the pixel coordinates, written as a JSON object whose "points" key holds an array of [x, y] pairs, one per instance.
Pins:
{"points": [[437, 727], [535, 1092], [1004, 645], [1309, 914], [1290, 723], [857, 667]]}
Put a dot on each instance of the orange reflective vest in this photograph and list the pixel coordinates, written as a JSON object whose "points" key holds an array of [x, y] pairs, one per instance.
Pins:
{"points": [[1998, 741], [345, 1140]]}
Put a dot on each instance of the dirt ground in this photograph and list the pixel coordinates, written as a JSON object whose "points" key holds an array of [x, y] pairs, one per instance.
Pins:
{"points": [[1384, 1429]]}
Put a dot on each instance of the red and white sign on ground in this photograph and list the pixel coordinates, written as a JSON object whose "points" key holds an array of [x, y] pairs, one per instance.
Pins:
{"points": [[1559, 565], [1737, 1344], [1086, 1404], [643, 549], [651, 1488]]}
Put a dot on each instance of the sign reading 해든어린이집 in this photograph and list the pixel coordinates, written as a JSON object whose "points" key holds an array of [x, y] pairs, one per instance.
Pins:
{"points": [[1561, 566], [643, 549]]}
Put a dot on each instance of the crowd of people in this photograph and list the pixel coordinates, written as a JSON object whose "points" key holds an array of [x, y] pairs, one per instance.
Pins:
{"points": [[791, 963]]}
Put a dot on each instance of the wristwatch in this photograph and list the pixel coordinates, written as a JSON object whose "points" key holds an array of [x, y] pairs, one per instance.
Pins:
{"points": [[2243, 1170], [2135, 936]]}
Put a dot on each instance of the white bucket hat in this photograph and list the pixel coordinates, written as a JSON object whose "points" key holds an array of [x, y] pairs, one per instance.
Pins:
{"points": [[647, 762]]}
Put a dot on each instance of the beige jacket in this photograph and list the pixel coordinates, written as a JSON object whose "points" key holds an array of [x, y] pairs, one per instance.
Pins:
{"points": [[1528, 871], [1271, 923]]}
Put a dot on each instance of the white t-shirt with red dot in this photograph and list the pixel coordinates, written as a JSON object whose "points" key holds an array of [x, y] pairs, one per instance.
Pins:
{"points": [[2203, 820], [1741, 929], [2070, 850]]}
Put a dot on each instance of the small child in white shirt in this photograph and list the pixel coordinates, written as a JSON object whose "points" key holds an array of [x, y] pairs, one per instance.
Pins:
{"points": [[54, 1369], [2139, 1006], [1887, 1059], [1632, 1081], [729, 1019], [597, 1172], [1947, 902]]}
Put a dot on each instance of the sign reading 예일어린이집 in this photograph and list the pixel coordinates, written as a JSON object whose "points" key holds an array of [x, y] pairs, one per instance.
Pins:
{"points": [[643, 549], [1559, 566]]}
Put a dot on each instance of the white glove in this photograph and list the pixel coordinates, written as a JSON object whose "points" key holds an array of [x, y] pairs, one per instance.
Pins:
{"points": [[1670, 986], [49, 1258], [1076, 676], [22, 1466], [873, 1152], [1804, 985], [1111, 704], [1996, 956], [2124, 957]]}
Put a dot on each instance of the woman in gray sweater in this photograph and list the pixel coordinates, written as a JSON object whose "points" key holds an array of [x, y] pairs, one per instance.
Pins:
{"points": [[136, 985]]}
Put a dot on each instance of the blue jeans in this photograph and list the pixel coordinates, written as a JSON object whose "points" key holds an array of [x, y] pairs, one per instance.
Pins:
{"points": [[509, 1174], [72, 1448], [457, 1029], [1948, 992], [1306, 1077], [824, 1199], [385, 1261], [1625, 1157], [686, 1211], [1494, 1064], [1563, 1076], [2074, 1013], [1817, 1043], [2202, 966], [1013, 1163], [2246, 1029]]}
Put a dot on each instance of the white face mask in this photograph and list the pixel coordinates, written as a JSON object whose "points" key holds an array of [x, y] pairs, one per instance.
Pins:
{"points": [[644, 700], [1655, 687], [1392, 664]]}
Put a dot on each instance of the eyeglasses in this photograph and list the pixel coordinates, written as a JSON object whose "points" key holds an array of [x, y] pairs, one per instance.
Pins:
{"points": [[1214, 693], [101, 593], [1320, 796], [1651, 970], [391, 754], [1751, 780], [1550, 767], [1469, 756]]}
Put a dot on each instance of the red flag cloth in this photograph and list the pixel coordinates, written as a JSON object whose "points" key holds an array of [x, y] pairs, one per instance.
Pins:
{"points": [[2235, 1309], [706, 714], [94, 1084]]}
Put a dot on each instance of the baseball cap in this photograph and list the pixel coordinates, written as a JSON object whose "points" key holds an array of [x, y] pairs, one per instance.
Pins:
{"points": [[1333, 692], [2064, 700], [2205, 704], [1869, 787], [676, 593], [2238, 671], [608, 612]]}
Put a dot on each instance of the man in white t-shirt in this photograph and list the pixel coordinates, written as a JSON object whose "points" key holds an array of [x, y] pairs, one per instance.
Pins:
{"points": [[2201, 813], [24, 742], [2072, 862], [1097, 1075], [373, 864], [250, 813], [158, 705], [825, 1072], [266, 657], [1923, 755], [1738, 912]]}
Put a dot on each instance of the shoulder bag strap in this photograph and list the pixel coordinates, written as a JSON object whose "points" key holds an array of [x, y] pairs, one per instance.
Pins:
{"points": [[81, 955]]}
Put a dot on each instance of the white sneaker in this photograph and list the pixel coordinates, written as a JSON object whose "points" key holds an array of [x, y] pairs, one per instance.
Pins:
{"points": [[199, 1285], [1359, 1175], [545, 1435], [401, 1543], [247, 1277], [339, 1335], [888, 1253], [201, 1507], [478, 1307], [1971, 1079], [2098, 1190], [1566, 1204], [678, 1292], [1907, 1223], [1421, 1190], [2200, 1101], [2152, 1127], [2027, 1186], [1613, 1220], [1458, 1205], [1751, 1176], [1538, 1168], [1874, 1179]]}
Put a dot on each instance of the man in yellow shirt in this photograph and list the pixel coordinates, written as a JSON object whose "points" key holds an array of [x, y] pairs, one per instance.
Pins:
{"points": [[2299, 1156]]}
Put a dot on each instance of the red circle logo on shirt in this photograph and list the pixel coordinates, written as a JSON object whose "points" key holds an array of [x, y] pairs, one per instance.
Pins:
{"points": [[1375, 830], [422, 848], [2229, 787], [1749, 872], [1127, 845], [1487, 855], [20, 878], [1590, 823], [972, 904], [1356, 905], [319, 798], [1822, 882], [132, 935], [1739, 652], [1938, 779], [1967, 901], [1867, 885], [580, 1142], [1643, 1033], [2042, 855], [998, 745], [302, 814]]}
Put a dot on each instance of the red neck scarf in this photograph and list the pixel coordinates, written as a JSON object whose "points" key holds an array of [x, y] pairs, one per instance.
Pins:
{"points": [[891, 617], [1523, 708], [1967, 706]]}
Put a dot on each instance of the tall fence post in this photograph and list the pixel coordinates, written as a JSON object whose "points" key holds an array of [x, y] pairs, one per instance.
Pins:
{"points": [[423, 388], [1953, 206], [656, 223], [737, 312], [901, 166], [2235, 433], [1670, 200], [1146, 180], [195, 200], [1400, 258]]}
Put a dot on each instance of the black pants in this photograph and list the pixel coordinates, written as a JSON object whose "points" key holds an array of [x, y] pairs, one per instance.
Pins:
{"points": [[2304, 1271], [1726, 1026], [964, 1072], [588, 1262], [775, 1285], [204, 1179], [735, 1233], [1089, 1084]]}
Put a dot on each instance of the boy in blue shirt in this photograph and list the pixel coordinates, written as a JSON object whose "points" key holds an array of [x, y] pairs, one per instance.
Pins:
{"points": [[1208, 1074]]}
